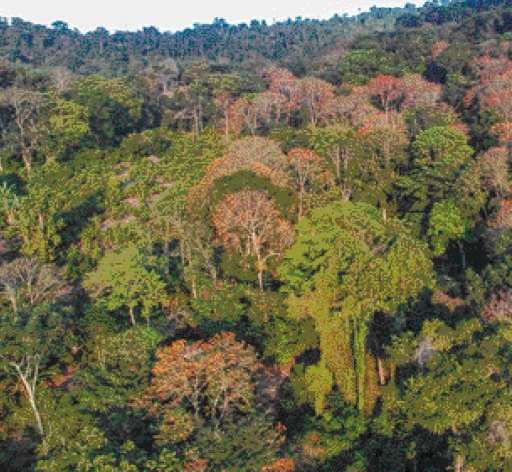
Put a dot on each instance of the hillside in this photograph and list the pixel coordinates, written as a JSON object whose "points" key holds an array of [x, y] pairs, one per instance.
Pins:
{"points": [[258, 248]]}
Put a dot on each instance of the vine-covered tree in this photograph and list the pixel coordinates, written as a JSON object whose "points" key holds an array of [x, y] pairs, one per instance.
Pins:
{"points": [[346, 264]]}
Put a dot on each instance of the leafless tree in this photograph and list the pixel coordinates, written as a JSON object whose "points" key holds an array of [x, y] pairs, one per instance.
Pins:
{"points": [[29, 282]]}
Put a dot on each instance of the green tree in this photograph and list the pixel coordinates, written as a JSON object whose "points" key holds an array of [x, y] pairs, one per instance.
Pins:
{"points": [[27, 339], [346, 264], [125, 278], [333, 144], [359, 66], [441, 169], [459, 390], [378, 157], [446, 224], [333, 434], [35, 219], [439, 153], [67, 125], [72, 433], [113, 108], [248, 444]]}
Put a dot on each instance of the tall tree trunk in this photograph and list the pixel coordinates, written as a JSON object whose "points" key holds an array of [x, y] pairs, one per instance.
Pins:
{"points": [[31, 398], [462, 255], [359, 356], [167, 259], [301, 199], [459, 458], [226, 119], [260, 278], [194, 287], [132, 317]]}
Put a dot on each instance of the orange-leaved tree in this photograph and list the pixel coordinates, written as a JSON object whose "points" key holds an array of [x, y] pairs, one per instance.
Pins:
{"points": [[385, 87], [195, 383], [314, 93], [494, 167], [418, 92], [248, 221], [260, 155], [308, 176]]}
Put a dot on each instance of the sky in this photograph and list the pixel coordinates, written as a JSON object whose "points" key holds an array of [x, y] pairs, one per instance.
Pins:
{"points": [[123, 15]]}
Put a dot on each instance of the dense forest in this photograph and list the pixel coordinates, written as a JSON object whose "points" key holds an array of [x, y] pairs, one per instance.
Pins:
{"points": [[258, 248]]}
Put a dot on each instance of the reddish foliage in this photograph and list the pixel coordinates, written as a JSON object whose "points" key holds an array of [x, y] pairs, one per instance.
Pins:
{"points": [[441, 297], [353, 109], [196, 465], [315, 94], [249, 222], [276, 73], [386, 88], [418, 92], [219, 371], [494, 90], [438, 48], [461, 127], [499, 308], [392, 120], [281, 465], [494, 169], [487, 66], [306, 167], [334, 57], [266, 107], [503, 131], [259, 155], [504, 216], [284, 82], [505, 46], [58, 380], [270, 106]]}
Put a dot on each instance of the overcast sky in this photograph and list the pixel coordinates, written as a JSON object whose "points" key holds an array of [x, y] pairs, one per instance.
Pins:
{"points": [[178, 14]]}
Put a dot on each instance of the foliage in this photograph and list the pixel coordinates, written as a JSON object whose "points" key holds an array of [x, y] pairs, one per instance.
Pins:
{"points": [[336, 164], [248, 444], [341, 286], [35, 219], [28, 339], [113, 108], [248, 222], [118, 367], [67, 127], [122, 279], [217, 372], [28, 283], [446, 223], [360, 66], [457, 390]]}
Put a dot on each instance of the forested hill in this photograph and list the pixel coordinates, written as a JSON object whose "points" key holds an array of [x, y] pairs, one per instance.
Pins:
{"points": [[296, 44], [220, 252]]}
